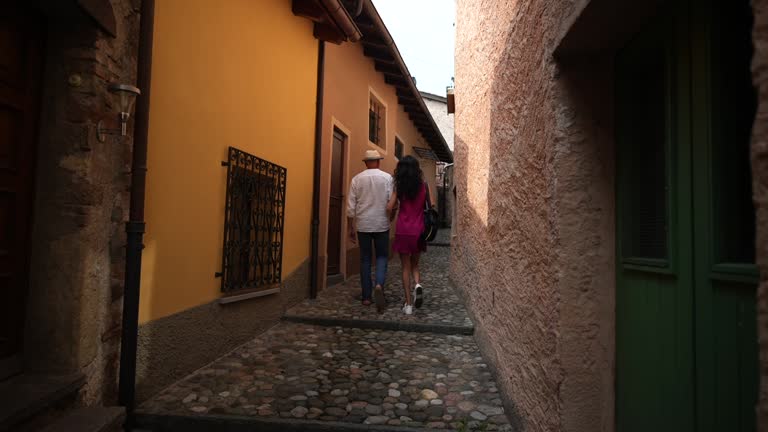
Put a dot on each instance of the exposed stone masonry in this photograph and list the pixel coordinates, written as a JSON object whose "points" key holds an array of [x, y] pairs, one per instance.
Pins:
{"points": [[75, 298]]}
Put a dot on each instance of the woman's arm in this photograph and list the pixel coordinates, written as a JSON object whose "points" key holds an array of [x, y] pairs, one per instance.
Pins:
{"points": [[392, 205]]}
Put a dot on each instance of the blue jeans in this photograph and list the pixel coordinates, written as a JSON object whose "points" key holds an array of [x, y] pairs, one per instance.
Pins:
{"points": [[380, 242]]}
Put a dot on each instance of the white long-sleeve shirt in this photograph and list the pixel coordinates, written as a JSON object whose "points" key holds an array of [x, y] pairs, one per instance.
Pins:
{"points": [[369, 193]]}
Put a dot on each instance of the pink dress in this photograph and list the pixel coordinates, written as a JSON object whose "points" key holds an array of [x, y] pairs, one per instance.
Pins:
{"points": [[410, 224]]}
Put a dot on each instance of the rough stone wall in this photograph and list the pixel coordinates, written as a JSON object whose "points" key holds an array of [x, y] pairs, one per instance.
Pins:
{"points": [[535, 212], [75, 299], [760, 187], [505, 257], [584, 219]]}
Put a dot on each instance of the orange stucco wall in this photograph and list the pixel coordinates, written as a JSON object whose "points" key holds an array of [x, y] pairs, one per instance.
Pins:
{"points": [[238, 73], [350, 77]]}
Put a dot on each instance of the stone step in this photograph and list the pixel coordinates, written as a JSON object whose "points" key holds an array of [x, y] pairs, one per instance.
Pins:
{"points": [[442, 311], [372, 324], [28, 400], [225, 423], [91, 419]]}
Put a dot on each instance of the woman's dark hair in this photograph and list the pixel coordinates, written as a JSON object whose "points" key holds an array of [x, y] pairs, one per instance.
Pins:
{"points": [[408, 177]]}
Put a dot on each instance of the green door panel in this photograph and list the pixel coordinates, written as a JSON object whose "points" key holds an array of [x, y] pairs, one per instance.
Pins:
{"points": [[654, 311], [686, 342]]}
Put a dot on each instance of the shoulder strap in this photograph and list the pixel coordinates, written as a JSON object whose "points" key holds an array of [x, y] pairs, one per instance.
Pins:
{"points": [[428, 201]]}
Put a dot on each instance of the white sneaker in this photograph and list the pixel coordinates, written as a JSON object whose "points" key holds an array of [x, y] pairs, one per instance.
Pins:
{"points": [[408, 309]]}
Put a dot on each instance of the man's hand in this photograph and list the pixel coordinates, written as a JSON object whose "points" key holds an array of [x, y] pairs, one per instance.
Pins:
{"points": [[393, 212], [353, 235]]}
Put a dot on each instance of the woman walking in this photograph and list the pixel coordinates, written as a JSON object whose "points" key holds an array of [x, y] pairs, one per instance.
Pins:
{"points": [[412, 194]]}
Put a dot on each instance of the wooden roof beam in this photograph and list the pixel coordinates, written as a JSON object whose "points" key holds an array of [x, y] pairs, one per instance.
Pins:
{"points": [[396, 81], [380, 55], [388, 68], [309, 9], [413, 109], [374, 42]]}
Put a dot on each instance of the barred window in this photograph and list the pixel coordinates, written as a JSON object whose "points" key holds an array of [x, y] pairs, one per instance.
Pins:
{"points": [[398, 148], [376, 113], [253, 223]]}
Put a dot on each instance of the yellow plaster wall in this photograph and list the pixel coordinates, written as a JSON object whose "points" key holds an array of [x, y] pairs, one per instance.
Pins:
{"points": [[238, 73], [349, 77]]}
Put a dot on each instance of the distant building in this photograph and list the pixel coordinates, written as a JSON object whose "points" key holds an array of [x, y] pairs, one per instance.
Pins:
{"points": [[438, 107]]}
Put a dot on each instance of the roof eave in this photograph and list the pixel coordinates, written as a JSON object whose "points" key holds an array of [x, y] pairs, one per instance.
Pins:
{"points": [[378, 41]]}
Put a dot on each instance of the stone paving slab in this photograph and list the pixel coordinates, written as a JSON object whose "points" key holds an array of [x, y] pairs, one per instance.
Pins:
{"points": [[442, 306], [349, 375], [443, 238]]}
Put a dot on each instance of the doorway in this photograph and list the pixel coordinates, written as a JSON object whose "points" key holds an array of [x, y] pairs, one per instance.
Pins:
{"points": [[336, 204], [21, 60], [686, 342]]}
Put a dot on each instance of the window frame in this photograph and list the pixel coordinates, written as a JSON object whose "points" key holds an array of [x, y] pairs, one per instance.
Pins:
{"points": [[399, 148], [380, 137]]}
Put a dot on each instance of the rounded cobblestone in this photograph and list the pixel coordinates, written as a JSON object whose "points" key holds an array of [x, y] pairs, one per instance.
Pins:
{"points": [[353, 375], [360, 383], [442, 305]]}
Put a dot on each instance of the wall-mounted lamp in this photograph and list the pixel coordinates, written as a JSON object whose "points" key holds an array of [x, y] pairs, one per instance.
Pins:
{"points": [[127, 95]]}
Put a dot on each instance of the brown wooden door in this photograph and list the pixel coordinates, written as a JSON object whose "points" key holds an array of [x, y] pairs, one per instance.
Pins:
{"points": [[336, 209], [20, 67]]}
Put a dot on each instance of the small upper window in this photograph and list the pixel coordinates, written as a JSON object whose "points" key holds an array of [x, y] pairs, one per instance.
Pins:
{"points": [[398, 148], [376, 122]]}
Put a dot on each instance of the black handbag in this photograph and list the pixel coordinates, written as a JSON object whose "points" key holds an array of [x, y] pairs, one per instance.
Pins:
{"points": [[430, 219]]}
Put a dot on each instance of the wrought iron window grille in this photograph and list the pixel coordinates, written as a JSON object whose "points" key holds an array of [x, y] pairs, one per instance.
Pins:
{"points": [[254, 221]]}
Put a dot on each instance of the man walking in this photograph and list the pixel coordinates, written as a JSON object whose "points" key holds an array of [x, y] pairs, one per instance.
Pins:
{"points": [[368, 223]]}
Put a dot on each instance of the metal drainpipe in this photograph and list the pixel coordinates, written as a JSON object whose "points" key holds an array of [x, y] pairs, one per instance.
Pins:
{"points": [[135, 227], [314, 259]]}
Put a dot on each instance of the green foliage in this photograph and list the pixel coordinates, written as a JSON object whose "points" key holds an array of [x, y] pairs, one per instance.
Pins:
{"points": [[464, 426]]}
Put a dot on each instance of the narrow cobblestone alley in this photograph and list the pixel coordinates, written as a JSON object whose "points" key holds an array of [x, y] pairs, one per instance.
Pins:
{"points": [[342, 367]]}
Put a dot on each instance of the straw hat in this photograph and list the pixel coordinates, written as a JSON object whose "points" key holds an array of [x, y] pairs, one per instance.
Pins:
{"points": [[372, 155]]}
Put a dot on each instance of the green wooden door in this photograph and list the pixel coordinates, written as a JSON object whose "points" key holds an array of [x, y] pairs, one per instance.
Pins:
{"points": [[686, 327], [723, 110], [654, 315]]}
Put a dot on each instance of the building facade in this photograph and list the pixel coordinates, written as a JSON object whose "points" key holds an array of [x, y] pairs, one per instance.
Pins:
{"points": [[369, 103], [230, 146], [255, 97], [606, 210]]}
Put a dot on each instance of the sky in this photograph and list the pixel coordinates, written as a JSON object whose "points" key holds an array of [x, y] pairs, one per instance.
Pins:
{"points": [[424, 33]]}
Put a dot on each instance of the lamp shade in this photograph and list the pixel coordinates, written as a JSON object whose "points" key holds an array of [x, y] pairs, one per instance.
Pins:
{"points": [[127, 95]]}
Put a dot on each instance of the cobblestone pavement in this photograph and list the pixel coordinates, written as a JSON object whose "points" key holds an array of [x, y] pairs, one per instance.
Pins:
{"points": [[443, 236], [356, 376], [297, 371], [442, 306]]}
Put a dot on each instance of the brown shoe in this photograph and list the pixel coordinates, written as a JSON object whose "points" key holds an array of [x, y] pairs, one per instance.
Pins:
{"points": [[378, 297]]}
